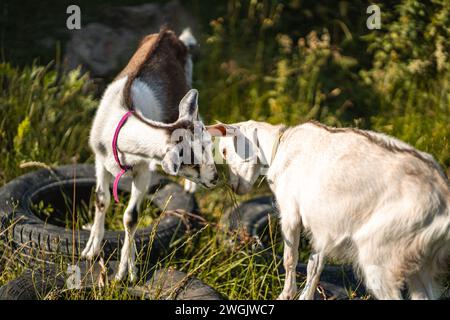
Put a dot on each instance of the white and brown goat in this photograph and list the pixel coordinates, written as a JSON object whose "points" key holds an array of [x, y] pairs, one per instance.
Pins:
{"points": [[163, 129], [363, 197]]}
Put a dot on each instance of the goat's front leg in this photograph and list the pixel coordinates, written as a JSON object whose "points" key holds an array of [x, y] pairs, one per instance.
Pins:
{"points": [[314, 269], [139, 188], [102, 201], [290, 229]]}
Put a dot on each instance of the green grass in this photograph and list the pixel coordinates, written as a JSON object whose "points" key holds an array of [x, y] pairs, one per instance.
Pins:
{"points": [[232, 265], [276, 61]]}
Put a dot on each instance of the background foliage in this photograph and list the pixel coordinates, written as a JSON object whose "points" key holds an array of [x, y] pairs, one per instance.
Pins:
{"points": [[276, 61]]}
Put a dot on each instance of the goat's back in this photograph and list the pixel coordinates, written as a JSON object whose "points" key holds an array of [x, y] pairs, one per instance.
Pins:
{"points": [[357, 190], [159, 62]]}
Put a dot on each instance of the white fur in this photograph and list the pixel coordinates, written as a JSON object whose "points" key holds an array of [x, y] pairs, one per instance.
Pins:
{"points": [[140, 146], [383, 210], [145, 101], [143, 147]]}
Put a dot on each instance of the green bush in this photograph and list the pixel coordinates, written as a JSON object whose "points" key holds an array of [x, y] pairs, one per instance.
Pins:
{"points": [[411, 74], [266, 61], [276, 61], [253, 66], [45, 117], [252, 69]]}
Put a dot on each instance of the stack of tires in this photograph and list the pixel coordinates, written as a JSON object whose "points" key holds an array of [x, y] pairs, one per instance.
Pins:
{"points": [[38, 239]]}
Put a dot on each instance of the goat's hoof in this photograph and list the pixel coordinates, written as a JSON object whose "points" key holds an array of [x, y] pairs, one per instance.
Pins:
{"points": [[306, 297], [90, 252], [286, 296], [122, 272], [121, 275], [132, 275], [87, 254]]}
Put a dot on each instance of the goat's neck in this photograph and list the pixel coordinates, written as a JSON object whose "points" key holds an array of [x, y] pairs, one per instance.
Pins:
{"points": [[137, 137], [267, 137]]}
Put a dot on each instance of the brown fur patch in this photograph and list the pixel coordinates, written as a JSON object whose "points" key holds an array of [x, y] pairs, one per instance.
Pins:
{"points": [[162, 57]]}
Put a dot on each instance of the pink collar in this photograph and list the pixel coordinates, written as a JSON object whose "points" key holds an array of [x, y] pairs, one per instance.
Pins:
{"points": [[123, 168]]}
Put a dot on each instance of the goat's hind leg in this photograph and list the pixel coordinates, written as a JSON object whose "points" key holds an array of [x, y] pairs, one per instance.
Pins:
{"points": [[424, 286], [139, 187], [314, 269], [102, 201], [417, 289], [382, 281]]}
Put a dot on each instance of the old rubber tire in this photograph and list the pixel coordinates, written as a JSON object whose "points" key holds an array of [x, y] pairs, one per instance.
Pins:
{"points": [[164, 284], [171, 284], [31, 285], [253, 217], [41, 241]]}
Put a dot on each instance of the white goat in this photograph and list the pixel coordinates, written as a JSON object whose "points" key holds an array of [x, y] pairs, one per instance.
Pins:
{"points": [[161, 129], [363, 197]]}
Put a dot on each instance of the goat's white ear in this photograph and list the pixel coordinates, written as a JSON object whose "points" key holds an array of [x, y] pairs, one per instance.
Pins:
{"points": [[171, 162], [189, 105], [222, 130]]}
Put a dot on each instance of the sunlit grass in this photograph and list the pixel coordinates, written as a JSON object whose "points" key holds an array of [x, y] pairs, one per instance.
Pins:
{"points": [[251, 66], [219, 257]]}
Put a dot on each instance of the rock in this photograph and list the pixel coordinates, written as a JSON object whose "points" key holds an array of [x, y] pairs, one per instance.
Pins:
{"points": [[103, 49], [100, 49]]}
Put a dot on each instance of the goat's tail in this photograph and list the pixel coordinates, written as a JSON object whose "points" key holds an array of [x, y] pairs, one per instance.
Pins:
{"points": [[448, 218], [436, 240]]}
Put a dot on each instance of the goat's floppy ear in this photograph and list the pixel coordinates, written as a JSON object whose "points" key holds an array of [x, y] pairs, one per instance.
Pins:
{"points": [[189, 105], [222, 130], [171, 162]]}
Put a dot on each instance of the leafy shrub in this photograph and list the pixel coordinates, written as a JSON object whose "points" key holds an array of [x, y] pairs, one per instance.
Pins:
{"points": [[411, 74], [45, 116], [251, 69], [253, 66]]}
